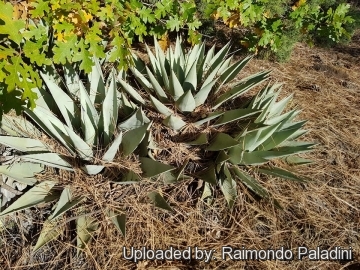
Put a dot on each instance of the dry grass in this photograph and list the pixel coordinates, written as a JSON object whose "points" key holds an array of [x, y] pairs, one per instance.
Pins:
{"points": [[324, 212]]}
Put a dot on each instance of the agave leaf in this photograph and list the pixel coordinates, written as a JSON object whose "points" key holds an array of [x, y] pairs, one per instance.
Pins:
{"points": [[222, 157], [159, 201], [217, 60], [97, 85], [242, 88], [51, 125], [82, 148], [202, 95], [279, 136], [65, 104], [208, 175], [157, 87], [132, 92], [36, 195], [130, 177], [234, 115], [18, 126], [222, 141], [85, 228], [254, 138], [278, 107], [154, 62], [152, 168], [192, 57], [65, 203], [190, 82], [294, 160], [228, 187], [137, 120], [239, 156], [250, 182], [278, 172], [180, 171], [50, 231], [210, 117], [200, 140], [23, 172], [174, 122], [72, 80], [176, 89], [231, 72], [284, 118], [87, 124], [23, 144], [109, 114], [140, 77], [160, 107], [209, 56], [92, 169], [49, 159], [207, 193], [87, 105], [119, 220], [133, 138], [111, 152], [186, 103], [224, 66]]}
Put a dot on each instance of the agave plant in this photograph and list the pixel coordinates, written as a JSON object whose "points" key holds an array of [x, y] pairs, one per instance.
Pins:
{"points": [[242, 138], [85, 124]]}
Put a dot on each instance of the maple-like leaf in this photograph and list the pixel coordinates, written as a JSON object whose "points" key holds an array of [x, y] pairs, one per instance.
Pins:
{"points": [[10, 27], [33, 50], [83, 55], [93, 38], [63, 51], [119, 51], [173, 23], [40, 8]]}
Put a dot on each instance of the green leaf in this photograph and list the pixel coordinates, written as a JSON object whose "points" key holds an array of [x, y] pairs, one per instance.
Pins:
{"points": [[50, 230], [208, 175], [23, 144], [65, 203], [160, 107], [174, 122], [65, 104], [63, 51], [83, 56], [111, 152], [85, 228], [132, 92], [36, 195], [176, 88], [119, 220], [200, 140], [250, 182], [228, 187], [133, 138], [242, 88], [210, 117], [82, 148], [49, 159], [153, 168], [137, 120], [278, 172], [221, 141], [92, 169], [186, 103], [10, 27], [159, 201], [109, 114], [23, 172], [235, 115], [294, 160]]}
